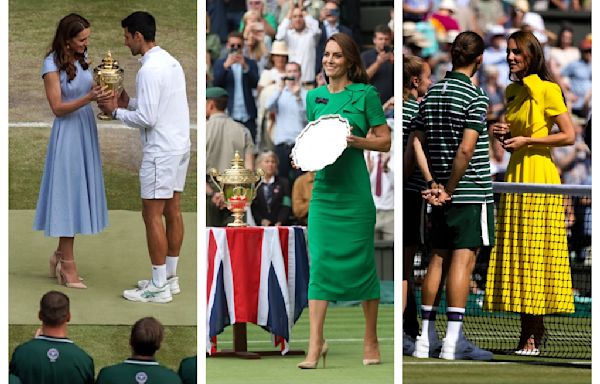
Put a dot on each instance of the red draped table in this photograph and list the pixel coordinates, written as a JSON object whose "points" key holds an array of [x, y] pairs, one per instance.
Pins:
{"points": [[255, 275]]}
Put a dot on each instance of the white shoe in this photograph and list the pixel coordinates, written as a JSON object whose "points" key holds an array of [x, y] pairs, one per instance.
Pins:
{"points": [[172, 282], [425, 348], [150, 293], [528, 352]]}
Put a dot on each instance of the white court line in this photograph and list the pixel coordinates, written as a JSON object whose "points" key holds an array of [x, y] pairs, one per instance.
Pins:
{"points": [[483, 362], [329, 340], [45, 124]]}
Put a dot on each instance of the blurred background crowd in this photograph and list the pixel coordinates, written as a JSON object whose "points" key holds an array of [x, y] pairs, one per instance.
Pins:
{"points": [[562, 26], [265, 55]]}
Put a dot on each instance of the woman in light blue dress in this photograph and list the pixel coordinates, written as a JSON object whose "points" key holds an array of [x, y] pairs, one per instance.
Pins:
{"points": [[71, 198]]}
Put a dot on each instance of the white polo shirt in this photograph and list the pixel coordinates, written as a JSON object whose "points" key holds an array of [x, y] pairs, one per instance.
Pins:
{"points": [[160, 109]]}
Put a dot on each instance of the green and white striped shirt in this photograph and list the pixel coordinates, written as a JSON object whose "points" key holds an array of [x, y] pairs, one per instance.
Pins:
{"points": [[410, 108], [449, 107]]}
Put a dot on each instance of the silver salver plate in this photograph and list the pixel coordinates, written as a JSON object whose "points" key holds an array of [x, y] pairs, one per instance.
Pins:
{"points": [[321, 142]]}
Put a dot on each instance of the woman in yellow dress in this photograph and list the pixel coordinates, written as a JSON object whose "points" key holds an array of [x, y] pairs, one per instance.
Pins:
{"points": [[529, 269]]}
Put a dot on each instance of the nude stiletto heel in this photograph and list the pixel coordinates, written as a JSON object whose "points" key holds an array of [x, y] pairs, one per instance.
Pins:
{"points": [[53, 262], [313, 364], [372, 361], [63, 281]]}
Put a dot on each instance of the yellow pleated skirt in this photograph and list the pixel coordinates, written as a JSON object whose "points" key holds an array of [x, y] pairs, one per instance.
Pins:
{"points": [[529, 269]]}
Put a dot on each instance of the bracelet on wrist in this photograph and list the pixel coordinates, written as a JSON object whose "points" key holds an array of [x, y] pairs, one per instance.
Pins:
{"points": [[114, 114]]}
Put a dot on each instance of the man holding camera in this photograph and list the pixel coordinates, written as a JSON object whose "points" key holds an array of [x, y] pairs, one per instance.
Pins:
{"points": [[289, 104], [379, 62], [238, 75], [329, 23], [301, 33]]}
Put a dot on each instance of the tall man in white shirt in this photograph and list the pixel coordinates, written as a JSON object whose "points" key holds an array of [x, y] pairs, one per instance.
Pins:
{"points": [[301, 33], [161, 113]]}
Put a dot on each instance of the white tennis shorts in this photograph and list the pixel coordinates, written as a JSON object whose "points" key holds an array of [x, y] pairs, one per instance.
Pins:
{"points": [[160, 176]]}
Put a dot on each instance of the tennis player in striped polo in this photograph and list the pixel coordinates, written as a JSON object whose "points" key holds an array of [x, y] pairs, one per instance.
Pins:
{"points": [[451, 124], [416, 83]]}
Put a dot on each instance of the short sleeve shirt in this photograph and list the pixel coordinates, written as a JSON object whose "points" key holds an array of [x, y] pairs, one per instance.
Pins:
{"points": [[449, 107], [51, 360], [532, 106], [383, 79], [133, 371], [410, 108]]}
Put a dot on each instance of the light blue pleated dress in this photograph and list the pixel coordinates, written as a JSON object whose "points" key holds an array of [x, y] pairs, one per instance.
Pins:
{"points": [[72, 199]]}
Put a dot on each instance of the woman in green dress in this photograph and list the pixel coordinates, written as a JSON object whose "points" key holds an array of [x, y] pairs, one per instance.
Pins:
{"points": [[341, 216]]}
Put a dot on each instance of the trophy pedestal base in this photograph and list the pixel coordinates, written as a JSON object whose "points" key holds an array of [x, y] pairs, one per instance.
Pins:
{"points": [[238, 215], [102, 116]]}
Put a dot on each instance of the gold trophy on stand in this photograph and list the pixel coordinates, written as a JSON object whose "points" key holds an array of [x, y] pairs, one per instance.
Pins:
{"points": [[238, 186], [110, 76]]}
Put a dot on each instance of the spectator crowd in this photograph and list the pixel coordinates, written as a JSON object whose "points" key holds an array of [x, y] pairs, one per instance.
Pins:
{"points": [[262, 58]]}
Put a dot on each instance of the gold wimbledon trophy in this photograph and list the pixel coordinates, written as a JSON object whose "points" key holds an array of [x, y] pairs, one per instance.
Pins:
{"points": [[110, 76], [238, 186]]}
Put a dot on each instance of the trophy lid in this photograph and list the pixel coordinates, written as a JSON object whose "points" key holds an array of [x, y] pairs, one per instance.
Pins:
{"points": [[238, 173], [108, 62]]}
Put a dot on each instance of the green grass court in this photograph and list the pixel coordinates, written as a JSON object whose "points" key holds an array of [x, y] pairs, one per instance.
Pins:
{"points": [[502, 371], [344, 327]]}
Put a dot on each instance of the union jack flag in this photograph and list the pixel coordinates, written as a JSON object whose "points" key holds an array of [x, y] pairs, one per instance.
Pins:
{"points": [[256, 275]]}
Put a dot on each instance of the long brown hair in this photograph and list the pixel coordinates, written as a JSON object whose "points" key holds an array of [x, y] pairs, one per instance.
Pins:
{"points": [[412, 66], [68, 27], [357, 72], [533, 54]]}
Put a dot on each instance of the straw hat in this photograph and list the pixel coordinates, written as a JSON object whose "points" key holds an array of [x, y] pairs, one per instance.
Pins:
{"points": [[522, 5], [279, 48]]}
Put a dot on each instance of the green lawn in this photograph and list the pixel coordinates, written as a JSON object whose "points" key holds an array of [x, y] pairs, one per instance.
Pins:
{"points": [[344, 327], [121, 154], [507, 370], [29, 43]]}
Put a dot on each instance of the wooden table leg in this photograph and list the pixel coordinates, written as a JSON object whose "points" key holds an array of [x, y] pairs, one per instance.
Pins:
{"points": [[240, 346]]}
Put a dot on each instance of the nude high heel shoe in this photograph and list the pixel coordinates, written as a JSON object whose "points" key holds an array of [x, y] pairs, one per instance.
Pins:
{"points": [[53, 262], [313, 364], [372, 361], [60, 277]]}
